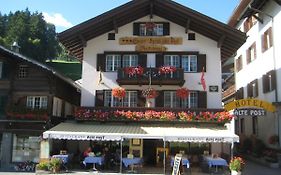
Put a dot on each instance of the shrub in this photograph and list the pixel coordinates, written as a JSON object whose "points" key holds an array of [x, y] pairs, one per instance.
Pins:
{"points": [[42, 166]]}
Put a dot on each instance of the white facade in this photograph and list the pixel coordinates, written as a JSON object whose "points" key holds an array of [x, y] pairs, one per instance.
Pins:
{"points": [[265, 61], [101, 44]]}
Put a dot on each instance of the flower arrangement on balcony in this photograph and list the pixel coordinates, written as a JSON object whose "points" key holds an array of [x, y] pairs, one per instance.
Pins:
{"points": [[149, 93], [134, 71], [167, 69], [150, 26], [119, 92], [182, 93], [151, 115], [22, 112]]}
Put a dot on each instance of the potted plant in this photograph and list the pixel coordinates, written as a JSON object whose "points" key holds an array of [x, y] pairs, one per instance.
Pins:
{"points": [[55, 165], [42, 167], [119, 92], [236, 165]]}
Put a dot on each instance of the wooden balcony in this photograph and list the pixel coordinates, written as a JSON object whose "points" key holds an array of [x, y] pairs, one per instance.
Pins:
{"points": [[230, 91], [175, 78]]}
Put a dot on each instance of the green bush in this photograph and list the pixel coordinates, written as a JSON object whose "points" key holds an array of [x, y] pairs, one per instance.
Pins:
{"points": [[42, 166], [55, 165]]}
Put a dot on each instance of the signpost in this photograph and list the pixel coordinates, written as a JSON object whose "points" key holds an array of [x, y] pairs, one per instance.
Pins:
{"points": [[177, 165]]}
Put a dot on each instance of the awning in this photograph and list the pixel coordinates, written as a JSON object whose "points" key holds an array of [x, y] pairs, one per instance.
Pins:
{"points": [[106, 132]]}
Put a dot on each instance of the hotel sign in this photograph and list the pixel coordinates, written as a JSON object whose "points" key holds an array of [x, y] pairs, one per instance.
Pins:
{"points": [[249, 112], [150, 44]]}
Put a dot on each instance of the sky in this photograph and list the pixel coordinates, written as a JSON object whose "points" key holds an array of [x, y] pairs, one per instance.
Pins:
{"points": [[65, 14]]}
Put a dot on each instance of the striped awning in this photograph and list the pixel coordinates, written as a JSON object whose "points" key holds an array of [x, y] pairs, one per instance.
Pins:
{"points": [[115, 132]]}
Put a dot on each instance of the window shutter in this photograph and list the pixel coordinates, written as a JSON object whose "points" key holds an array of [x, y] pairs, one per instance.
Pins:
{"points": [[265, 84], [250, 90], [101, 62], [263, 40], [256, 87], [142, 60], [141, 99], [5, 70], [99, 98], [136, 28], [160, 99], [159, 60], [241, 93], [273, 79], [166, 28], [248, 56], [201, 62], [3, 103], [202, 99]]}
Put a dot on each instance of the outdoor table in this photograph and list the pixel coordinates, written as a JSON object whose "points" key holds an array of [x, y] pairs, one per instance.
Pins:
{"points": [[184, 161], [215, 161], [93, 160], [131, 162]]}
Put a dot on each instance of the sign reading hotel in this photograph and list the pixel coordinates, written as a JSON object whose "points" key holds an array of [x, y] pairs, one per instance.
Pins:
{"points": [[150, 44], [250, 107]]}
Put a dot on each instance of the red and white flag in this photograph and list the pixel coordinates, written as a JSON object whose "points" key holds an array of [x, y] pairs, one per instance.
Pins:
{"points": [[203, 82]]}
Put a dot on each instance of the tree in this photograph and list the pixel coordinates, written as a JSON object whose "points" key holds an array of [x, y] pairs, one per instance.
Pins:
{"points": [[36, 38]]}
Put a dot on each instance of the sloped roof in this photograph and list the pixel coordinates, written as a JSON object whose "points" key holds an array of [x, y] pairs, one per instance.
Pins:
{"points": [[230, 39], [20, 57]]}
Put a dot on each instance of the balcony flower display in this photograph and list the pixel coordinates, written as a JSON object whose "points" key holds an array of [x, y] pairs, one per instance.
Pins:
{"points": [[151, 115], [236, 165], [134, 71], [119, 92], [24, 113], [182, 93], [167, 69], [149, 93], [150, 26]]}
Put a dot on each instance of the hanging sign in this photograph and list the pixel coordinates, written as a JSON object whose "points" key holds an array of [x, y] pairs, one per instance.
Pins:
{"points": [[249, 112], [150, 48], [150, 40]]}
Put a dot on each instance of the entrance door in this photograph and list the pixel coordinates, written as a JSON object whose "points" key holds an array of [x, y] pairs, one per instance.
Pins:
{"points": [[149, 151]]}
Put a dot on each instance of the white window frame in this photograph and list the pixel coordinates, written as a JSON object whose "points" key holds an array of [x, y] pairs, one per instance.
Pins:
{"points": [[115, 64], [191, 61], [31, 102], [133, 60], [127, 101], [172, 60], [23, 71], [158, 30], [175, 102], [1, 69]]}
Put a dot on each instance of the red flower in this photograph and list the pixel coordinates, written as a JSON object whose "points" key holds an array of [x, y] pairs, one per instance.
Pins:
{"points": [[119, 92], [182, 93], [167, 69], [131, 71]]}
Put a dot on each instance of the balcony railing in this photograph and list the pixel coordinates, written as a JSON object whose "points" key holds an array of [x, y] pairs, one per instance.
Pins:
{"points": [[24, 113], [175, 78], [143, 114]]}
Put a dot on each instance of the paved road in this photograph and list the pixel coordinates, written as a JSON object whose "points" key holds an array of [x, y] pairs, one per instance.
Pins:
{"points": [[250, 169]]}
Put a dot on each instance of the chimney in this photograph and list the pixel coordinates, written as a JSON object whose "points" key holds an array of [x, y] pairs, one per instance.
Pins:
{"points": [[15, 47]]}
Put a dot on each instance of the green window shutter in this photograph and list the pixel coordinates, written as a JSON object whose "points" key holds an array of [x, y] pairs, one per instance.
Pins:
{"points": [[99, 98], [136, 28], [101, 62], [5, 70], [166, 28], [201, 62], [202, 99]]}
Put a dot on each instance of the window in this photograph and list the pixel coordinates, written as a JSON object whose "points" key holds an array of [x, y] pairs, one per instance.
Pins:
{"points": [[172, 60], [267, 40], [255, 125], [269, 81], [25, 148], [242, 125], [1, 69], [249, 23], [111, 36], [37, 102], [252, 89], [191, 36], [239, 64], [189, 63], [251, 53], [130, 60], [130, 100], [113, 62], [23, 71], [171, 100], [155, 29]]}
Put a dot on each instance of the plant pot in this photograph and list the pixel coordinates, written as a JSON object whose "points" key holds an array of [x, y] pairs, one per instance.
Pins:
{"points": [[235, 172]]}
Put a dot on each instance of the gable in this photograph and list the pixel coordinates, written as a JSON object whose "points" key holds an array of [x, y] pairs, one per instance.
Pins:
{"points": [[229, 39]]}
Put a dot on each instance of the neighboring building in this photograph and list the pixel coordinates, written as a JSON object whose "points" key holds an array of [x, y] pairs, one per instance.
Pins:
{"points": [[33, 98], [258, 66], [150, 34]]}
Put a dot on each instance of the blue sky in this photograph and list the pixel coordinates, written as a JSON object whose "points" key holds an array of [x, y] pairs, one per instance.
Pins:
{"points": [[67, 13]]}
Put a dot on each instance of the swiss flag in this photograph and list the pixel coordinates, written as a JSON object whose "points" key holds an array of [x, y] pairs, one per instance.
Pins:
{"points": [[203, 82]]}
